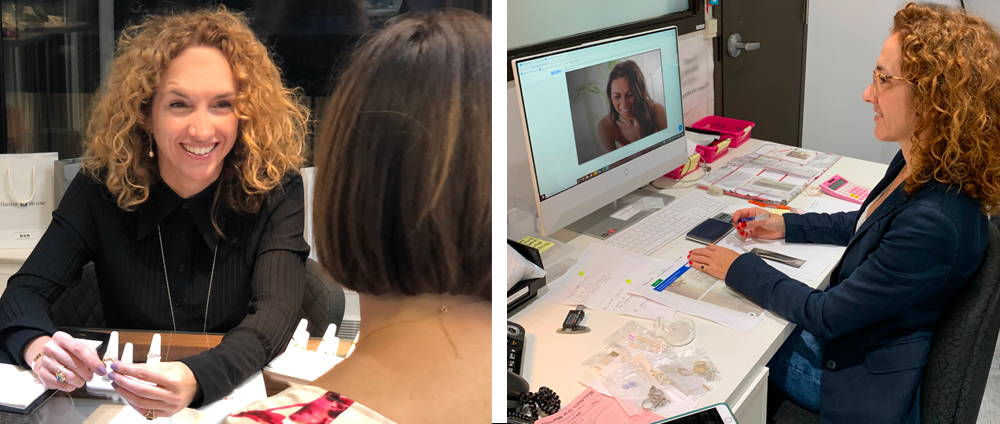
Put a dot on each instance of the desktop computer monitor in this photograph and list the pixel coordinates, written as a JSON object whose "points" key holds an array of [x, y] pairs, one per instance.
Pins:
{"points": [[601, 119]]}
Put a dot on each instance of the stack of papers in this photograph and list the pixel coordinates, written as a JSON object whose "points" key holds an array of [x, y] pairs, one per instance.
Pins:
{"points": [[774, 173], [603, 279], [621, 282]]}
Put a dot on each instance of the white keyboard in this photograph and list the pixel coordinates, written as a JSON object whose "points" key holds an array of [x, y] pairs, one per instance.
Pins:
{"points": [[659, 228]]}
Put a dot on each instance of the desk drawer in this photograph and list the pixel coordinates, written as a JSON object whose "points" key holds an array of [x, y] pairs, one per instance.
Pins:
{"points": [[750, 406]]}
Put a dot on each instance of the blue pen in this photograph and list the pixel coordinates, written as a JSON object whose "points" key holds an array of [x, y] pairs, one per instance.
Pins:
{"points": [[754, 218]]}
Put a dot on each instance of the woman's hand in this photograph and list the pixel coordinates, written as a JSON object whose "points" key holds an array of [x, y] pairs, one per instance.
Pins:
{"points": [[771, 228], [62, 362], [712, 260], [175, 386]]}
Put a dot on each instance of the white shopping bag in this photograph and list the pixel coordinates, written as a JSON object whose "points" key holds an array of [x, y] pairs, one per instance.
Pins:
{"points": [[26, 199]]}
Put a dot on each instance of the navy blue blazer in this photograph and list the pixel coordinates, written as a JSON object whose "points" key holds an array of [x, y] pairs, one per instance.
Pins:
{"points": [[900, 271]]}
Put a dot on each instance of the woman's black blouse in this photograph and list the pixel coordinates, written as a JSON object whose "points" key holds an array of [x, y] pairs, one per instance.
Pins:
{"points": [[253, 297]]}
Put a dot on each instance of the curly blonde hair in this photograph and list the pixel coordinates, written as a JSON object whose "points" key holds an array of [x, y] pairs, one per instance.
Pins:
{"points": [[273, 122], [952, 61]]}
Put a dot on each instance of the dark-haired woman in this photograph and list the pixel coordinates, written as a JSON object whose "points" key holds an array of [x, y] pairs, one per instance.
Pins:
{"points": [[403, 217], [633, 114]]}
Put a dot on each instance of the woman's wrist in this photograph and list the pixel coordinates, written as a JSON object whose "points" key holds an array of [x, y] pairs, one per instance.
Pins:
{"points": [[34, 349]]}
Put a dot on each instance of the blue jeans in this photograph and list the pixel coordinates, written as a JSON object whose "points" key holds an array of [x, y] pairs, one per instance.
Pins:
{"points": [[797, 369]]}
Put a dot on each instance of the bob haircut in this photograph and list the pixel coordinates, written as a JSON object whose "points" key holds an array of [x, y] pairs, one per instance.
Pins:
{"points": [[272, 120], [952, 62], [637, 84], [402, 199]]}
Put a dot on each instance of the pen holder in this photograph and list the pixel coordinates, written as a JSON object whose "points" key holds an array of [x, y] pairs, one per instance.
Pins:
{"points": [[690, 166], [734, 129]]}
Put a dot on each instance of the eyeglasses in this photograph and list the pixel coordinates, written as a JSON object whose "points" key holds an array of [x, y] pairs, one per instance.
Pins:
{"points": [[880, 79]]}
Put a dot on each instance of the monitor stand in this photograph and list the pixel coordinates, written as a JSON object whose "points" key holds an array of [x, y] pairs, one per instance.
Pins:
{"points": [[621, 214]]}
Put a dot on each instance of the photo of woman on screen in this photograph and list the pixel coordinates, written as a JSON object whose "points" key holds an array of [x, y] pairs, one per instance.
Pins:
{"points": [[633, 114]]}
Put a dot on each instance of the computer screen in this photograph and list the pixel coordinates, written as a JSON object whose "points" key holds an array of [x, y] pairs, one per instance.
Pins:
{"points": [[601, 120]]}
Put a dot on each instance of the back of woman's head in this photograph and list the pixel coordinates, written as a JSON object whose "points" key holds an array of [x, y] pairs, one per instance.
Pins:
{"points": [[952, 61], [402, 199], [272, 120]]}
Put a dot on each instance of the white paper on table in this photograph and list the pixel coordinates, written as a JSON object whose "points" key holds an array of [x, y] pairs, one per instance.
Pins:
{"points": [[19, 388], [818, 257], [250, 391], [699, 294], [829, 204], [602, 279]]}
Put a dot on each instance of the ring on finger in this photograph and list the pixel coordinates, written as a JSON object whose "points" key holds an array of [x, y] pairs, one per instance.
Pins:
{"points": [[150, 415], [60, 375]]}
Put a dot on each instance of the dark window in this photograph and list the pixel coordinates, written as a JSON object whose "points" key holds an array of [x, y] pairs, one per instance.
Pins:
{"points": [[55, 53]]}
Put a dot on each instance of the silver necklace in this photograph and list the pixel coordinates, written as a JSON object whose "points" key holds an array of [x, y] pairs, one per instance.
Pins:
{"points": [[170, 301]]}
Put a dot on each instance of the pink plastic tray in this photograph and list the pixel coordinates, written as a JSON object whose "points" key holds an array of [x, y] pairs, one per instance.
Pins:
{"points": [[736, 129]]}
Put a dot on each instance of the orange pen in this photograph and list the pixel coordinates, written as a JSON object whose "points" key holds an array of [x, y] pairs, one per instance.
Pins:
{"points": [[768, 205]]}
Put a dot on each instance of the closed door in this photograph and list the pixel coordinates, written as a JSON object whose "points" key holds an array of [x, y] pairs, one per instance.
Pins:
{"points": [[764, 83]]}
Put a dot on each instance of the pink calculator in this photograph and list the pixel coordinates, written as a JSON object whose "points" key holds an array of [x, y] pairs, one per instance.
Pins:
{"points": [[840, 188]]}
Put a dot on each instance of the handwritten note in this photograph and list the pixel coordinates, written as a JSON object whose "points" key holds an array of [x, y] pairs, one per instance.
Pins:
{"points": [[592, 407]]}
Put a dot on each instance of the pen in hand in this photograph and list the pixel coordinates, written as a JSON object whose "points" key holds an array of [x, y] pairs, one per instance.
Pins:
{"points": [[753, 218]]}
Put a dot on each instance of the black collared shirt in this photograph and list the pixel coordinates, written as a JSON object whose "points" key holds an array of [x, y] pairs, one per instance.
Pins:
{"points": [[253, 295]]}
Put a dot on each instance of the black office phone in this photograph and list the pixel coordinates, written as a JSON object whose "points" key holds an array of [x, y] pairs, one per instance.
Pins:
{"points": [[515, 347]]}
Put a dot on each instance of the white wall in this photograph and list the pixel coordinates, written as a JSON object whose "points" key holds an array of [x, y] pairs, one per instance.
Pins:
{"points": [[843, 43], [533, 21]]}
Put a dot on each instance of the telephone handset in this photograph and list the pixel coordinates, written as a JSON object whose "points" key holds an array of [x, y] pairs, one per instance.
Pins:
{"points": [[523, 406]]}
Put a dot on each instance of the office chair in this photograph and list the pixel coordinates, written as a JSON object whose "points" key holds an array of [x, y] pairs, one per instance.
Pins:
{"points": [[322, 303], [961, 352], [323, 300], [80, 305]]}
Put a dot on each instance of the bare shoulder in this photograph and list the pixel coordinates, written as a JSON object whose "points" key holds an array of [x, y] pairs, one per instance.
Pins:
{"points": [[606, 122]]}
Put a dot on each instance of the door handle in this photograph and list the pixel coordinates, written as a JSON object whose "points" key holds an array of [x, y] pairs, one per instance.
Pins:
{"points": [[736, 45]]}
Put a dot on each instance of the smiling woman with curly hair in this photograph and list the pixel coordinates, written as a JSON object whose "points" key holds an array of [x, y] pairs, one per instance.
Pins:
{"points": [[190, 207], [859, 351], [271, 120]]}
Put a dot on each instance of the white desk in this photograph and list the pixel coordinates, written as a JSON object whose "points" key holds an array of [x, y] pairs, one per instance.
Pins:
{"points": [[553, 360]]}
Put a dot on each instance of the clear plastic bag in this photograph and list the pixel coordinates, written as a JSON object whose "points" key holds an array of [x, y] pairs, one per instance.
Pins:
{"points": [[599, 361], [634, 336], [695, 361], [667, 371], [628, 383]]}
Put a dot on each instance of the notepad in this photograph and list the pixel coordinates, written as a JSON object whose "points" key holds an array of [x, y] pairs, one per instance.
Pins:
{"points": [[19, 388]]}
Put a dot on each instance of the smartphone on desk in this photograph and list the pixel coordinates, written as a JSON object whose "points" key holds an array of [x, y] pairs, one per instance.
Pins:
{"points": [[715, 414], [711, 230]]}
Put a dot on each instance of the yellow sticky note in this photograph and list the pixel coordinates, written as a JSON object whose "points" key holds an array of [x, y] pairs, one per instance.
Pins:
{"points": [[723, 145], [692, 163], [537, 243], [777, 211], [628, 281], [581, 273]]}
